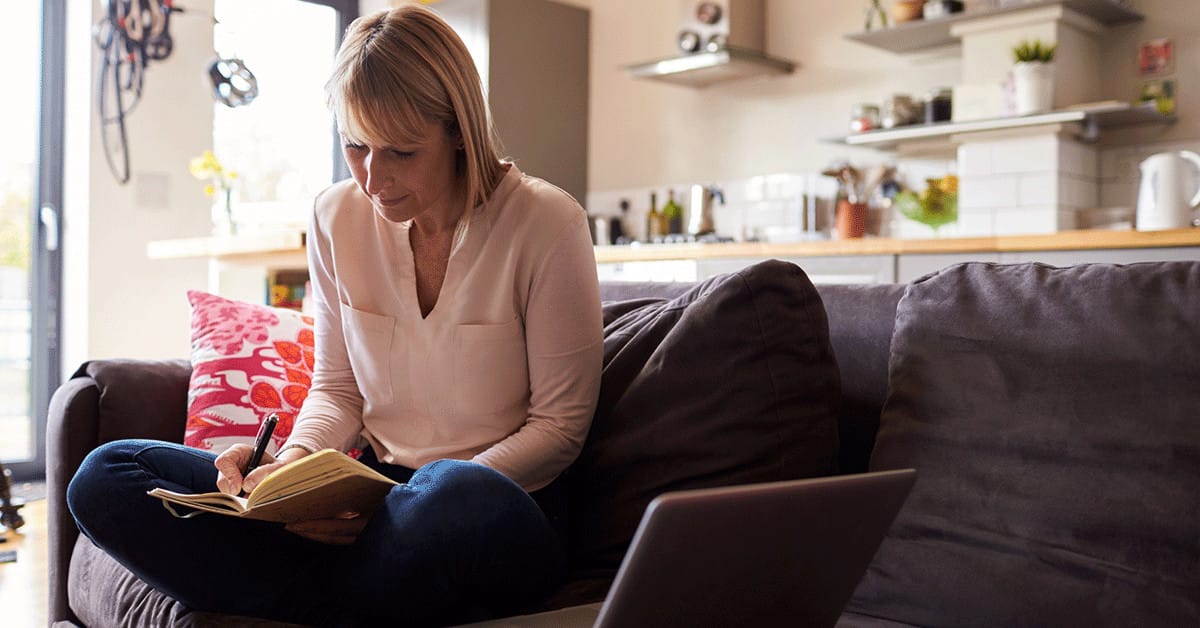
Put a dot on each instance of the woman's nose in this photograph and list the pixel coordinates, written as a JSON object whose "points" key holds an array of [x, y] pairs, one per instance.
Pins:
{"points": [[378, 177]]}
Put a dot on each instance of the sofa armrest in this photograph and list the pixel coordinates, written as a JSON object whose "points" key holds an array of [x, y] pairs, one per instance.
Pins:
{"points": [[105, 400]]}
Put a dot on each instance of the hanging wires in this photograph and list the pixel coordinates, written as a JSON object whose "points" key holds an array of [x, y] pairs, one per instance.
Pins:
{"points": [[130, 35]]}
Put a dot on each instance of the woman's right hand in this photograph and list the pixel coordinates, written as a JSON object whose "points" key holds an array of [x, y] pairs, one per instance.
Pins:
{"points": [[231, 462]]}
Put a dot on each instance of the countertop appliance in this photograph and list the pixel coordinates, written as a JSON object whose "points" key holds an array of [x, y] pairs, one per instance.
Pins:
{"points": [[1168, 196]]}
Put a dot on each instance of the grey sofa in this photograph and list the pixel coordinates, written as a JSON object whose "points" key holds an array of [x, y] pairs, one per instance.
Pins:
{"points": [[1052, 415]]}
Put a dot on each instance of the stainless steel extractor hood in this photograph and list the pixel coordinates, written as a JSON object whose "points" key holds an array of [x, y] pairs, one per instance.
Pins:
{"points": [[701, 69], [722, 40]]}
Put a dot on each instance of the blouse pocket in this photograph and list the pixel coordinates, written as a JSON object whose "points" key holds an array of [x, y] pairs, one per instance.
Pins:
{"points": [[369, 347], [491, 370]]}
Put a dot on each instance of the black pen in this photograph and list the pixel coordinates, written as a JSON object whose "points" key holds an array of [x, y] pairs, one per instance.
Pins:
{"points": [[260, 443]]}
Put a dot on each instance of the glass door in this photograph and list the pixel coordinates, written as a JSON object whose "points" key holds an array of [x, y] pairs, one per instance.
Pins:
{"points": [[30, 199]]}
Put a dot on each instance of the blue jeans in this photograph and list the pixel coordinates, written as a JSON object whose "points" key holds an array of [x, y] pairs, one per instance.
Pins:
{"points": [[456, 542]]}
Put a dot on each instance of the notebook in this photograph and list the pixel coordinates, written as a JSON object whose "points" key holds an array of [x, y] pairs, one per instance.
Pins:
{"points": [[772, 554]]}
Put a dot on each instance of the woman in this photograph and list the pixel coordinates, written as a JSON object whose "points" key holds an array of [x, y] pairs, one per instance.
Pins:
{"points": [[458, 338]]}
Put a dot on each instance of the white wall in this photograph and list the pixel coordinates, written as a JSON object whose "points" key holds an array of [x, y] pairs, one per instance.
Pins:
{"points": [[116, 302]]}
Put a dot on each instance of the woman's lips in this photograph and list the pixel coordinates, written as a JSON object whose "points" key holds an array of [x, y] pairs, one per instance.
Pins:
{"points": [[390, 202]]}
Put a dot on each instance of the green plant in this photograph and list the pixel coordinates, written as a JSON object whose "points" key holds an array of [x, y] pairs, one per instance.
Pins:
{"points": [[1028, 52]]}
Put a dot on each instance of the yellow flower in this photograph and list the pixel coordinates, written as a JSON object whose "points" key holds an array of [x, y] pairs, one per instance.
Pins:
{"points": [[208, 168]]}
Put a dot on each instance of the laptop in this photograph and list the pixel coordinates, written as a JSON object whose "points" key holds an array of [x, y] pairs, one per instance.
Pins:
{"points": [[773, 554]]}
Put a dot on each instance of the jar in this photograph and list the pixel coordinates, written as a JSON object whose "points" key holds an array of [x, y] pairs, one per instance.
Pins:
{"points": [[900, 110], [864, 117], [939, 105]]}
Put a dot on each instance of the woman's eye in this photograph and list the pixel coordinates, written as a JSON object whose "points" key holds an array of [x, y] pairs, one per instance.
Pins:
{"points": [[403, 154], [354, 147]]}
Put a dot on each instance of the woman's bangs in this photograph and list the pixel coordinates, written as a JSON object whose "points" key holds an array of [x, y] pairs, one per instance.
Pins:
{"points": [[379, 114]]}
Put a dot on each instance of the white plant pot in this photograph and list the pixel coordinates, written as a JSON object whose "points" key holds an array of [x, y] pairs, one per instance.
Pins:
{"points": [[1033, 86]]}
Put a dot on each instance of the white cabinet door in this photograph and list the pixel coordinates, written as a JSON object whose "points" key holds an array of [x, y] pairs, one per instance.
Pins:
{"points": [[848, 269], [665, 271]]}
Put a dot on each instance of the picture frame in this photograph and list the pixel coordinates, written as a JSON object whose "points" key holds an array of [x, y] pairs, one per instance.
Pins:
{"points": [[1156, 57]]}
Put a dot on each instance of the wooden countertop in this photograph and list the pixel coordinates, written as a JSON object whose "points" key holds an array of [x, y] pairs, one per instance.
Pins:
{"points": [[288, 247], [1062, 241]]}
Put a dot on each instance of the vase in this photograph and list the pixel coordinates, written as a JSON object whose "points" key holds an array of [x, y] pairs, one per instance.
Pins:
{"points": [[1033, 87], [222, 214], [850, 219]]}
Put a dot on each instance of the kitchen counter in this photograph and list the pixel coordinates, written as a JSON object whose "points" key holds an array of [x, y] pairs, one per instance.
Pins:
{"points": [[288, 247], [240, 266], [1062, 241]]}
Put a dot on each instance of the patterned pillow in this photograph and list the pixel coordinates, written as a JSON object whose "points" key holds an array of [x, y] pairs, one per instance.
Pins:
{"points": [[247, 362]]}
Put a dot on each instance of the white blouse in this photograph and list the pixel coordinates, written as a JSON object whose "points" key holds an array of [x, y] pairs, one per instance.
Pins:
{"points": [[505, 370]]}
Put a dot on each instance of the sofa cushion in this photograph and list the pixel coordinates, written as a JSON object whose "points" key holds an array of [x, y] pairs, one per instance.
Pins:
{"points": [[732, 382], [248, 361], [1051, 414], [104, 593]]}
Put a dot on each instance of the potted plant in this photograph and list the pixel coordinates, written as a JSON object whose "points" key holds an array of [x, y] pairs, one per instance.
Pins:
{"points": [[1033, 77]]}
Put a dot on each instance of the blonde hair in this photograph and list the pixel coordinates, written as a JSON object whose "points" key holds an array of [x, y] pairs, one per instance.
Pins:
{"points": [[401, 67]]}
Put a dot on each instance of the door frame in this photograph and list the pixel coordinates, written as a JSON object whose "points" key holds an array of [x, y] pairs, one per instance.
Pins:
{"points": [[45, 281]]}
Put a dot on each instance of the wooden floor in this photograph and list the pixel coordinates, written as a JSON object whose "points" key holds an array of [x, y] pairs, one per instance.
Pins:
{"points": [[23, 584]]}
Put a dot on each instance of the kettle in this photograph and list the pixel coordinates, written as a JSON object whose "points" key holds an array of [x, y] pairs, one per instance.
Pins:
{"points": [[700, 209], [1167, 196]]}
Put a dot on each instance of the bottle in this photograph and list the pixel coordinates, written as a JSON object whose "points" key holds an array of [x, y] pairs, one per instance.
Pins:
{"points": [[654, 220], [673, 214]]}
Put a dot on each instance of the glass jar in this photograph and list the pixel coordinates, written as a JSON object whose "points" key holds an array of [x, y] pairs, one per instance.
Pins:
{"points": [[864, 117], [939, 105], [900, 110]]}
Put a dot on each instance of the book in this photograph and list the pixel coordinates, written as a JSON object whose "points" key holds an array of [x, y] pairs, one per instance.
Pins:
{"points": [[321, 485]]}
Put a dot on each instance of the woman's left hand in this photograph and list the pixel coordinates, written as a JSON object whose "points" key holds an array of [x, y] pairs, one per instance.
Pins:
{"points": [[342, 530]]}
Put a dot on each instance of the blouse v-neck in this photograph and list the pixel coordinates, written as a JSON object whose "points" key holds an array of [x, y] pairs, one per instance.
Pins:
{"points": [[413, 288]]}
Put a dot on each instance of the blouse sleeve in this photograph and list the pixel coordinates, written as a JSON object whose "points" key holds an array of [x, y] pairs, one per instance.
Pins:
{"points": [[332, 414], [565, 347]]}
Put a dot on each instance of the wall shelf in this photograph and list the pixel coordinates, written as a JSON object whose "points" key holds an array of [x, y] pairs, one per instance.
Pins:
{"points": [[924, 34], [1092, 118]]}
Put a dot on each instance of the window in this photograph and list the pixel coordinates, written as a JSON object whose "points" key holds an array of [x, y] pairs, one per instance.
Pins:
{"points": [[279, 144]]}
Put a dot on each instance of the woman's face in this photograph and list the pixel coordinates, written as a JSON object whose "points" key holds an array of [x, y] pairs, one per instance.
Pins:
{"points": [[404, 181]]}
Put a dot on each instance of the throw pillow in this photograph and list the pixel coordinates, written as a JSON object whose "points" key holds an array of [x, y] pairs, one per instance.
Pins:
{"points": [[248, 361], [733, 382], [1051, 414]]}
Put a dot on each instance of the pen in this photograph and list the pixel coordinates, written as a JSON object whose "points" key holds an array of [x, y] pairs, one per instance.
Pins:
{"points": [[260, 442]]}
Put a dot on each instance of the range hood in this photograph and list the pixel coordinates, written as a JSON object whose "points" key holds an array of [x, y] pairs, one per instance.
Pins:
{"points": [[701, 69], [719, 41]]}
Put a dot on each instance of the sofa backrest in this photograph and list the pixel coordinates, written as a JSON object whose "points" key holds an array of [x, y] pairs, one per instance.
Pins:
{"points": [[860, 328]]}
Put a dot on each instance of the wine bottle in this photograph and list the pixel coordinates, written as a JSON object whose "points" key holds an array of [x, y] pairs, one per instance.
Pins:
{"points": [[673, 214], [654, 221]]}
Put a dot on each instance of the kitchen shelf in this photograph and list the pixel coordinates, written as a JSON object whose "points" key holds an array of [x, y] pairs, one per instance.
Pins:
{"points": [[1092, 117], [923, 34]]}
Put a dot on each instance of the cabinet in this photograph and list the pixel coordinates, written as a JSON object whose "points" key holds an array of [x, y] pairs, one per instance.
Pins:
{"points": [[532, 57]]}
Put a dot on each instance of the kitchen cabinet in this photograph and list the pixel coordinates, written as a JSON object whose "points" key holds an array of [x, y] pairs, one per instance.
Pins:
{"points": [[532, 57], [925, 34]]}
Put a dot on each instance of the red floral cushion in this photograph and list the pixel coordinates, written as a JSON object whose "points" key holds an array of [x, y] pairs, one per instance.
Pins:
{"points": [[247, 361]]}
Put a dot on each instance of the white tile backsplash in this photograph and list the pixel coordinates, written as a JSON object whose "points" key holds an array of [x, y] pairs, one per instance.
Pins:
{"points": [[987, 192], [1035, 154], [1038, 189], [1027, 221], [975, 159]]}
